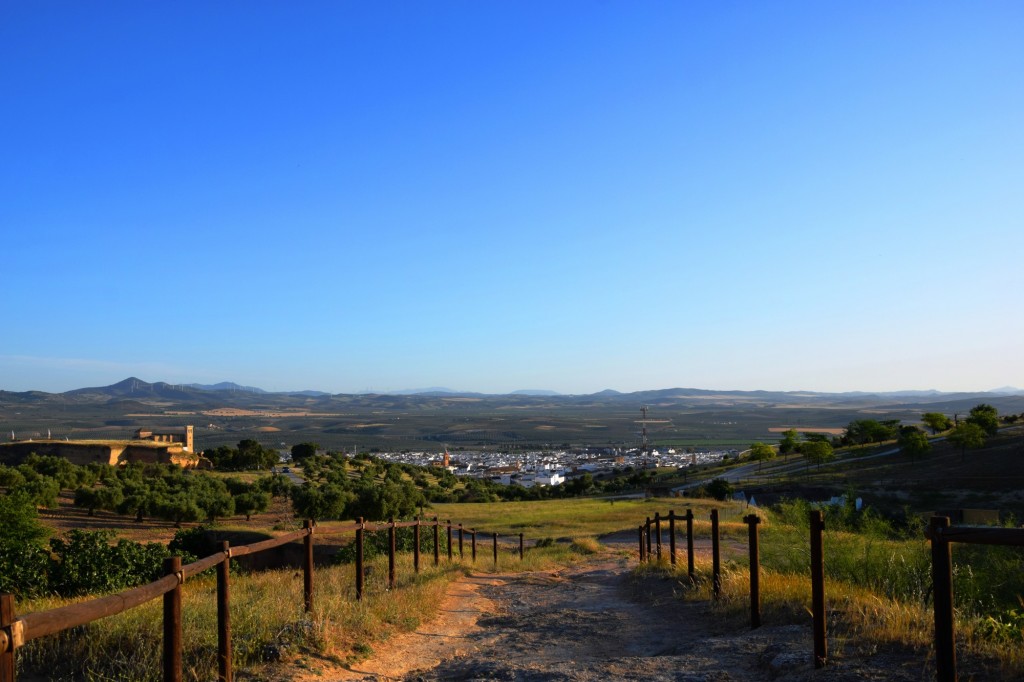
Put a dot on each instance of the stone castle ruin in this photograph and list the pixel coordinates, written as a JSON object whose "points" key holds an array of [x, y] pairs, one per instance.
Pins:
{"points": [[147, 446]]}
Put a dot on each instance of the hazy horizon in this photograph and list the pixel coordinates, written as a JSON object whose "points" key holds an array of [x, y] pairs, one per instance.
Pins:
{"points": [[510, 391]]}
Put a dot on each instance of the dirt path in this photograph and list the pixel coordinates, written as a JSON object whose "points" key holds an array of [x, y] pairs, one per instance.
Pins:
{"points": [[595, 623]]}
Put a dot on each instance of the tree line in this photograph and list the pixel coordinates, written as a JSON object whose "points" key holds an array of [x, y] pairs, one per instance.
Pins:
{"points": [[969, 433]]}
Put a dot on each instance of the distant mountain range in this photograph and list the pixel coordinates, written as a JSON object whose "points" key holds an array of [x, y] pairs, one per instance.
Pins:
{"points": [[232, 394]]}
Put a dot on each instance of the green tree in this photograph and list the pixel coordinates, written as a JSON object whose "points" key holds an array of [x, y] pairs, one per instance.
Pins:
{"points": [[914, 442], [321, 501], [23, 558], [720, 489], [817, 452], [304, 451], [761, 452], [864, 431], [789, 442], [985, 416], [252, 502], [967, 436], [103, 497], [936, 421]]}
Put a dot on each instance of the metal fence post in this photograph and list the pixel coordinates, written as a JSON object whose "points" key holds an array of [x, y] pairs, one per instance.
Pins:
{"points": [[307, 578], [461, 553], [449, 539], [495, 537], [172, 623], [520, 546], [716, 557], [472, 541], [942, 586], [224, 615], [818, 589], [640, 533], [647, 533], [755, 571]]}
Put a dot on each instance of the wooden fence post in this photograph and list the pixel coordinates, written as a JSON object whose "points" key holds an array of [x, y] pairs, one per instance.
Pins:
{"points": [[520, 546], [416, 546], [359, 558], [449, 539], [7, 649], [224, 615], [172, 623], [755, 571], [942, 586], [391, 553], [818, 589], [672, 536], [689, 546], [307, 577], [657, 531], [437, 542], [495, 537], [716, 557]]}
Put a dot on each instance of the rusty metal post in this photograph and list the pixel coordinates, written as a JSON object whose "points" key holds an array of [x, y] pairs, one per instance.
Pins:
{"points": [[224, 615], [942, 586], [640, 533], [172, 623], [416, 546], [520, 546], [716, 557], [391, 553], [689, 546], [437, 542], [472, 541], [647, 533], [449, 539], [657, 531], [461, 553], [7, 652], [755, 570], [307, 577], [818, 589], [672, 536], [359, 559], [495, 537]]}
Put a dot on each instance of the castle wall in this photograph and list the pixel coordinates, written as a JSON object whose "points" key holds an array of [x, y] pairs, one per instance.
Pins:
{"points": [[112, 453]]}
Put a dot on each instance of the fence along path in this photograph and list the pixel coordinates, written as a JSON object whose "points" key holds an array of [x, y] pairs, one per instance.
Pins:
{"points": [[15, 632], [939, 532]]}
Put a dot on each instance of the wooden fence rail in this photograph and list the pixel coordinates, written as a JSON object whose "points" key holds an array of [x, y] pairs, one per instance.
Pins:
{"points": [[939, 532], [15, 632]]}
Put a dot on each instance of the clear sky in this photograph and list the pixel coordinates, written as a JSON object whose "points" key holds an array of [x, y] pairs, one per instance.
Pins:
{"points": [[494, 196]]}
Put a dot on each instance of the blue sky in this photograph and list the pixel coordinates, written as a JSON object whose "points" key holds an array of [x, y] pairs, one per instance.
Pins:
{"points": [[505, 195]]}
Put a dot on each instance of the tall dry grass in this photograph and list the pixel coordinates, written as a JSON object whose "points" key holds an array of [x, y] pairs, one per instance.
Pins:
{"points": [[267, 617]]}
